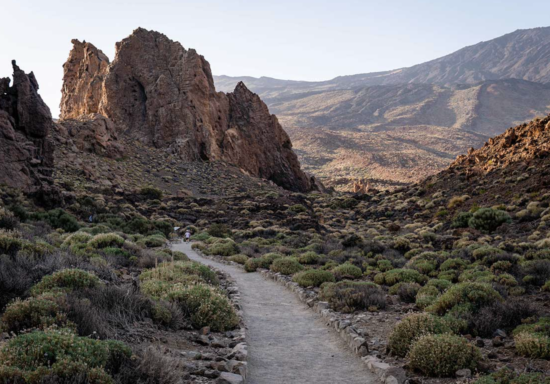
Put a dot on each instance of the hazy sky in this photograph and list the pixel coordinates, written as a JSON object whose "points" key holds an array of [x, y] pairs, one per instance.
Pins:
{"points": [[290, 39]]}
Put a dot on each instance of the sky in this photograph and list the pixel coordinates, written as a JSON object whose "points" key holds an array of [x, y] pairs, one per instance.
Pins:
{"points": [[288, 39]]}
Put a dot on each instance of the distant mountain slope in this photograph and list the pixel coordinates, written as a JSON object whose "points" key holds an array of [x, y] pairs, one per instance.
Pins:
{"points": [[523, 54], [402, 125]]}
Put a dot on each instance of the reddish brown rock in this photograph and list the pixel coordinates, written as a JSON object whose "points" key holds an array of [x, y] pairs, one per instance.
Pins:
{"points": [[83, 75], [26, 149], [92, 133], [159, 93]]}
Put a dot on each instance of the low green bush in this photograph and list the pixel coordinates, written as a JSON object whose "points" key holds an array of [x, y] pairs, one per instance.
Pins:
{"points": [[152, 241], [347, 271], [151, 193], [507, 376], [461, 220], [313, 278], [399, 275], [223, 248], [104, 240], [441, 355], [411, 328], [206, 307], [349, 296], [35, 312], [239, 259], [60, 355], [219, 230], [286, 266], [58, 218], [65, 280], [76, 238], [489, 219], [533, 345], [8, 220], [309, 258], [472, 296]]}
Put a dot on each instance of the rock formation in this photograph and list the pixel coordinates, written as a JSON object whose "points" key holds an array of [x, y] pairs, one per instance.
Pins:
{"points": [[26, 150], [163, 95], [83, 75], [523, 143], [91, 133]]}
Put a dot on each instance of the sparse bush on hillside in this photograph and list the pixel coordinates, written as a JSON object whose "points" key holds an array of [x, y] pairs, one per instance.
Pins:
{"points": [[239, 259], [488, 219], [151, 193], [61, 354], [286, 266], [313, 278], [507, 376], [219, 230], [461, 220], [222, 248], [472, 296], [399, 275], [443, 354], [309, 258], [104, 240], [58, 218], [347, 271], [406, 332], [8, 221], [65, 280], [349, 296]]}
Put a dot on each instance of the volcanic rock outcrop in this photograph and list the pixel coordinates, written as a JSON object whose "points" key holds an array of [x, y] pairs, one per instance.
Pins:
{"points": [[523, 143], [26, 149], [157, 92]]}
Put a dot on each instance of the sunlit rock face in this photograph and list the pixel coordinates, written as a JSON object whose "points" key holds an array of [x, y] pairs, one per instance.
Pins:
{"points": [[163, 95]]}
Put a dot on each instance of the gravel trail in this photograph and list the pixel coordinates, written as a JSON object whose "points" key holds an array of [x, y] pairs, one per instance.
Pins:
{"points": [[287, 342]]}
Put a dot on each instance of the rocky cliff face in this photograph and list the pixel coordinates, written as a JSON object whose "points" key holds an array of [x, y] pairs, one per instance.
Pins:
{"points": [[524, 143], [26, 150], [159, 93]]}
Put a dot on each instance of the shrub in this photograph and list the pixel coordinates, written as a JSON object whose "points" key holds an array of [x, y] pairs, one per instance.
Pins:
{"points": [[152, 241], [411, 328], [400, 276], [219, 230], [349, 296], [461, 220], [309, 258], [313, 277], [533, 345], [239, 259], [76, 238], [488, 219], [347, 271], [179, 272], [58, 218], [65, 280], [205, 306], [443, 354], [104, 240], [223, 248], [507, 376], [504, 315], [8, 220], [407, 292], [252, 264], [297, 208], [426, 296], [473, 295], [151, 193], [10, 242], [61, 354], [286, 266], [35, 312]]}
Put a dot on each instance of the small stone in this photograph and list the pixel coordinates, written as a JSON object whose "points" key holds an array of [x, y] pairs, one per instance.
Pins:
{"points": [[205, 330], [229, 378], [463, 373]]}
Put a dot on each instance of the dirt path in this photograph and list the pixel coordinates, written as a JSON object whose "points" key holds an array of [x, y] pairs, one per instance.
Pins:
{"points": [[287, 342]]}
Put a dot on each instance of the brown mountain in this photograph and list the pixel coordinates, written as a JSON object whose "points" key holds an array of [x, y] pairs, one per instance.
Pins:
{"points": [[399, 126], [163, 95]]}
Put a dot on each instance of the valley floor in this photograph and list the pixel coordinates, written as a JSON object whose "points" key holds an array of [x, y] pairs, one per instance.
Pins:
{"points": [[287, 342]]}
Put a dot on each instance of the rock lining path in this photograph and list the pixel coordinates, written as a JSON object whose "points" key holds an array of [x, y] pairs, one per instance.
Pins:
{"points": [[287, 342]]}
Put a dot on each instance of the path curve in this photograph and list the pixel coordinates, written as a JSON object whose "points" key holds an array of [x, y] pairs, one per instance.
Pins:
{"points": [[287, 342]]}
